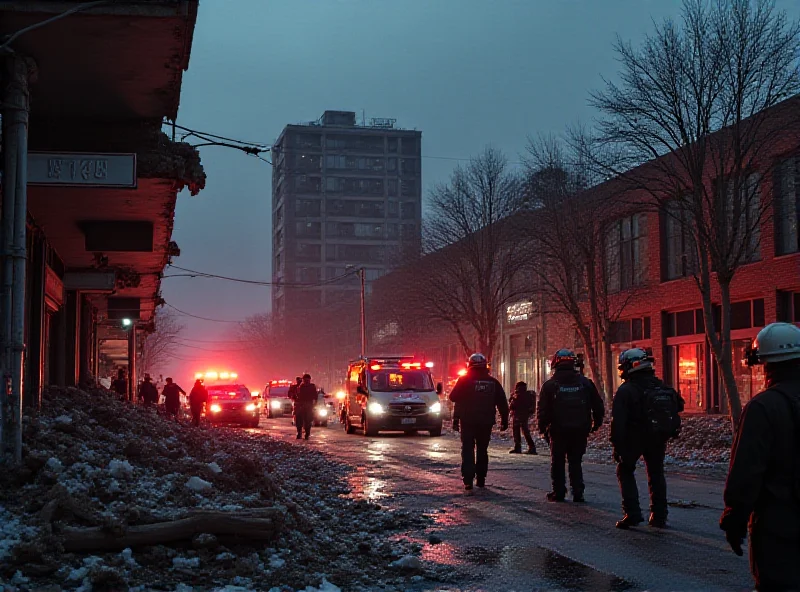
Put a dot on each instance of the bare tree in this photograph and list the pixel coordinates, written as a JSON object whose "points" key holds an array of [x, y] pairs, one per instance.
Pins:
{"points": [[696, 102], [160, 346], [570, 227], [476, 251]]}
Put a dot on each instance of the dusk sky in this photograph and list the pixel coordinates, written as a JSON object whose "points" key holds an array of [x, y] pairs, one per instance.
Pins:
{"points": [[467, 73]]}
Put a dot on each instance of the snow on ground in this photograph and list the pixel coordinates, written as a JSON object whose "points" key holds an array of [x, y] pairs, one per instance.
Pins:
{"points": [[116, 466]]}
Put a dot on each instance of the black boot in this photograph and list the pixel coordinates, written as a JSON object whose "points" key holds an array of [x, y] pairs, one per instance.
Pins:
{"points": [[554, 497], [657, 521], [629, 521], [532, 450], [480, 481], [515, 450]]}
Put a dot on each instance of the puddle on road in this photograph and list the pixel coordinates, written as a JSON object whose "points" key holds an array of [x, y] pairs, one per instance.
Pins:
{"points": [[550, 570], [363, 486]]}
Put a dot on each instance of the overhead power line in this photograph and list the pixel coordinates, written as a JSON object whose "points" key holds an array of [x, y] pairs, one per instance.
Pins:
{"points": [[193, 316], [203, 274]]}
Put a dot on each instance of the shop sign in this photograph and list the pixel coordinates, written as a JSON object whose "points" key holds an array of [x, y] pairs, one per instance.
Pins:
{"points": [[82, 169], [53, 289], [521, 311], [90, 281]]}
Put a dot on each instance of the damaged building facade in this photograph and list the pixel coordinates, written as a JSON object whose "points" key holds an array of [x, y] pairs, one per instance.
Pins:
{"points": [[89, 188]]}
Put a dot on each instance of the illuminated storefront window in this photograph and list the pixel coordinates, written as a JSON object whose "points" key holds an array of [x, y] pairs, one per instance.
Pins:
{"points": [[688, 368]]}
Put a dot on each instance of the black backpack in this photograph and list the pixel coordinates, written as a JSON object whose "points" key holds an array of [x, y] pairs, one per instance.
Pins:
{"points": [[660, 408], [572, 408]]}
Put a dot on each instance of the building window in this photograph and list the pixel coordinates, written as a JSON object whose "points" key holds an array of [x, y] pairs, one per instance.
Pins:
{"points": [[630, 330], [787, 207], [309, 141], [408, 187], [308, 252], [307, 162], [789, 307], [308, 275], [409, 146], [626, 253], [391, 165], [359, 209], [743, 213], [408, 210], [308, 229], [409, 166], [684, 323], [747, 314], [307, 208], [687, 372], [680, 255], [392, 231]]}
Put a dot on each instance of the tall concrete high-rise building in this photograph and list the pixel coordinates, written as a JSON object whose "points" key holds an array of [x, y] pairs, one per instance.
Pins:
{"points": [[345, 196]]}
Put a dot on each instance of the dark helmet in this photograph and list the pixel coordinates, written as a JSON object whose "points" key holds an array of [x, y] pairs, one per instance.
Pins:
{"points": [[564, 358], [306, 376], [634, 360], [477, 361]]}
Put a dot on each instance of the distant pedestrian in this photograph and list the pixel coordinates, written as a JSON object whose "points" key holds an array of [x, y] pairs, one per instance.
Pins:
{"points": [[523, 405], [197, 399], [292, 394], [477, 397], [569, 408], [120, 385], [148, 393], [305, 400], [763, 486], [644, 417], [172, 399]]}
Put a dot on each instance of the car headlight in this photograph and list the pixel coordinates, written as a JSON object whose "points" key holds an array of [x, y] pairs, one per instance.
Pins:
{"points": [[251, 407], [341, 395], [275, 404], [322, 412], [215, 408], [375, 408], [436, 407]]}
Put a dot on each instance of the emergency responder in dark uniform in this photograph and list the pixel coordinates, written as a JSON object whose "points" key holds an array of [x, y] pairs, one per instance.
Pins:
{"points": [[763, 486], [523, 405], [304, 403], [477, 397], [197, 398], [172, 398], [148, 393], [569, 408], [120, 385], [633, 437]]}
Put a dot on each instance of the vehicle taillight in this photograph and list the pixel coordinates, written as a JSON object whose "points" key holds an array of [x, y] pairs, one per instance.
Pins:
{"points": [[375, 367]]}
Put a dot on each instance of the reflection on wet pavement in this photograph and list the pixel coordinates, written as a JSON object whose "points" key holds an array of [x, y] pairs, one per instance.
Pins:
{"points": [[547, 569], [365, 487]]}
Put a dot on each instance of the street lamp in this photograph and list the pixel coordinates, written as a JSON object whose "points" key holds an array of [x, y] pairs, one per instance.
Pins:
{"points": [[127, 322]]}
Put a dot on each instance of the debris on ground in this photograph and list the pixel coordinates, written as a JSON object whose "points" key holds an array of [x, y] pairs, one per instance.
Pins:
{"points": [[111, 496]]}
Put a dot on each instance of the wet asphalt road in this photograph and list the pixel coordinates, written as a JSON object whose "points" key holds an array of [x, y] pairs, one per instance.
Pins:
{"points": [[507, 537]]}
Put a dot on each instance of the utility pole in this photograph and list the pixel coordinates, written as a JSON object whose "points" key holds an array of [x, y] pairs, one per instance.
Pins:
{"points": [[362, 274], [17, 74]]}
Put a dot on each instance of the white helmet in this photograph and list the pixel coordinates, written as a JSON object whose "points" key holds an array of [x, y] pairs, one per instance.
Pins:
{"points": [[777, 342]]}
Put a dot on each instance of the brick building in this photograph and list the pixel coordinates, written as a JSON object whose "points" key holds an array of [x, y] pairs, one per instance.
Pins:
{"points": [[664, 309]]}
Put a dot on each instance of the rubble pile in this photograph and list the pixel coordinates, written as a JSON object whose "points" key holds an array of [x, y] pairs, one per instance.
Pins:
{"points": [[114, 497]]}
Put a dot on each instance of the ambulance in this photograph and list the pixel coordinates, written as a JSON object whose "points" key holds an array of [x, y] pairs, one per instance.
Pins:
{"points": [[391, 394]]}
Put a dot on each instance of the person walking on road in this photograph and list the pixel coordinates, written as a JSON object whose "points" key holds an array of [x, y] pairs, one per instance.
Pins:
{"points": [[644, 416], [148, 393], [197, 399], [172, 398], [569, 408], [477, 397], [120, 385], [763, 486], [523, 405], [304, 403]]}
